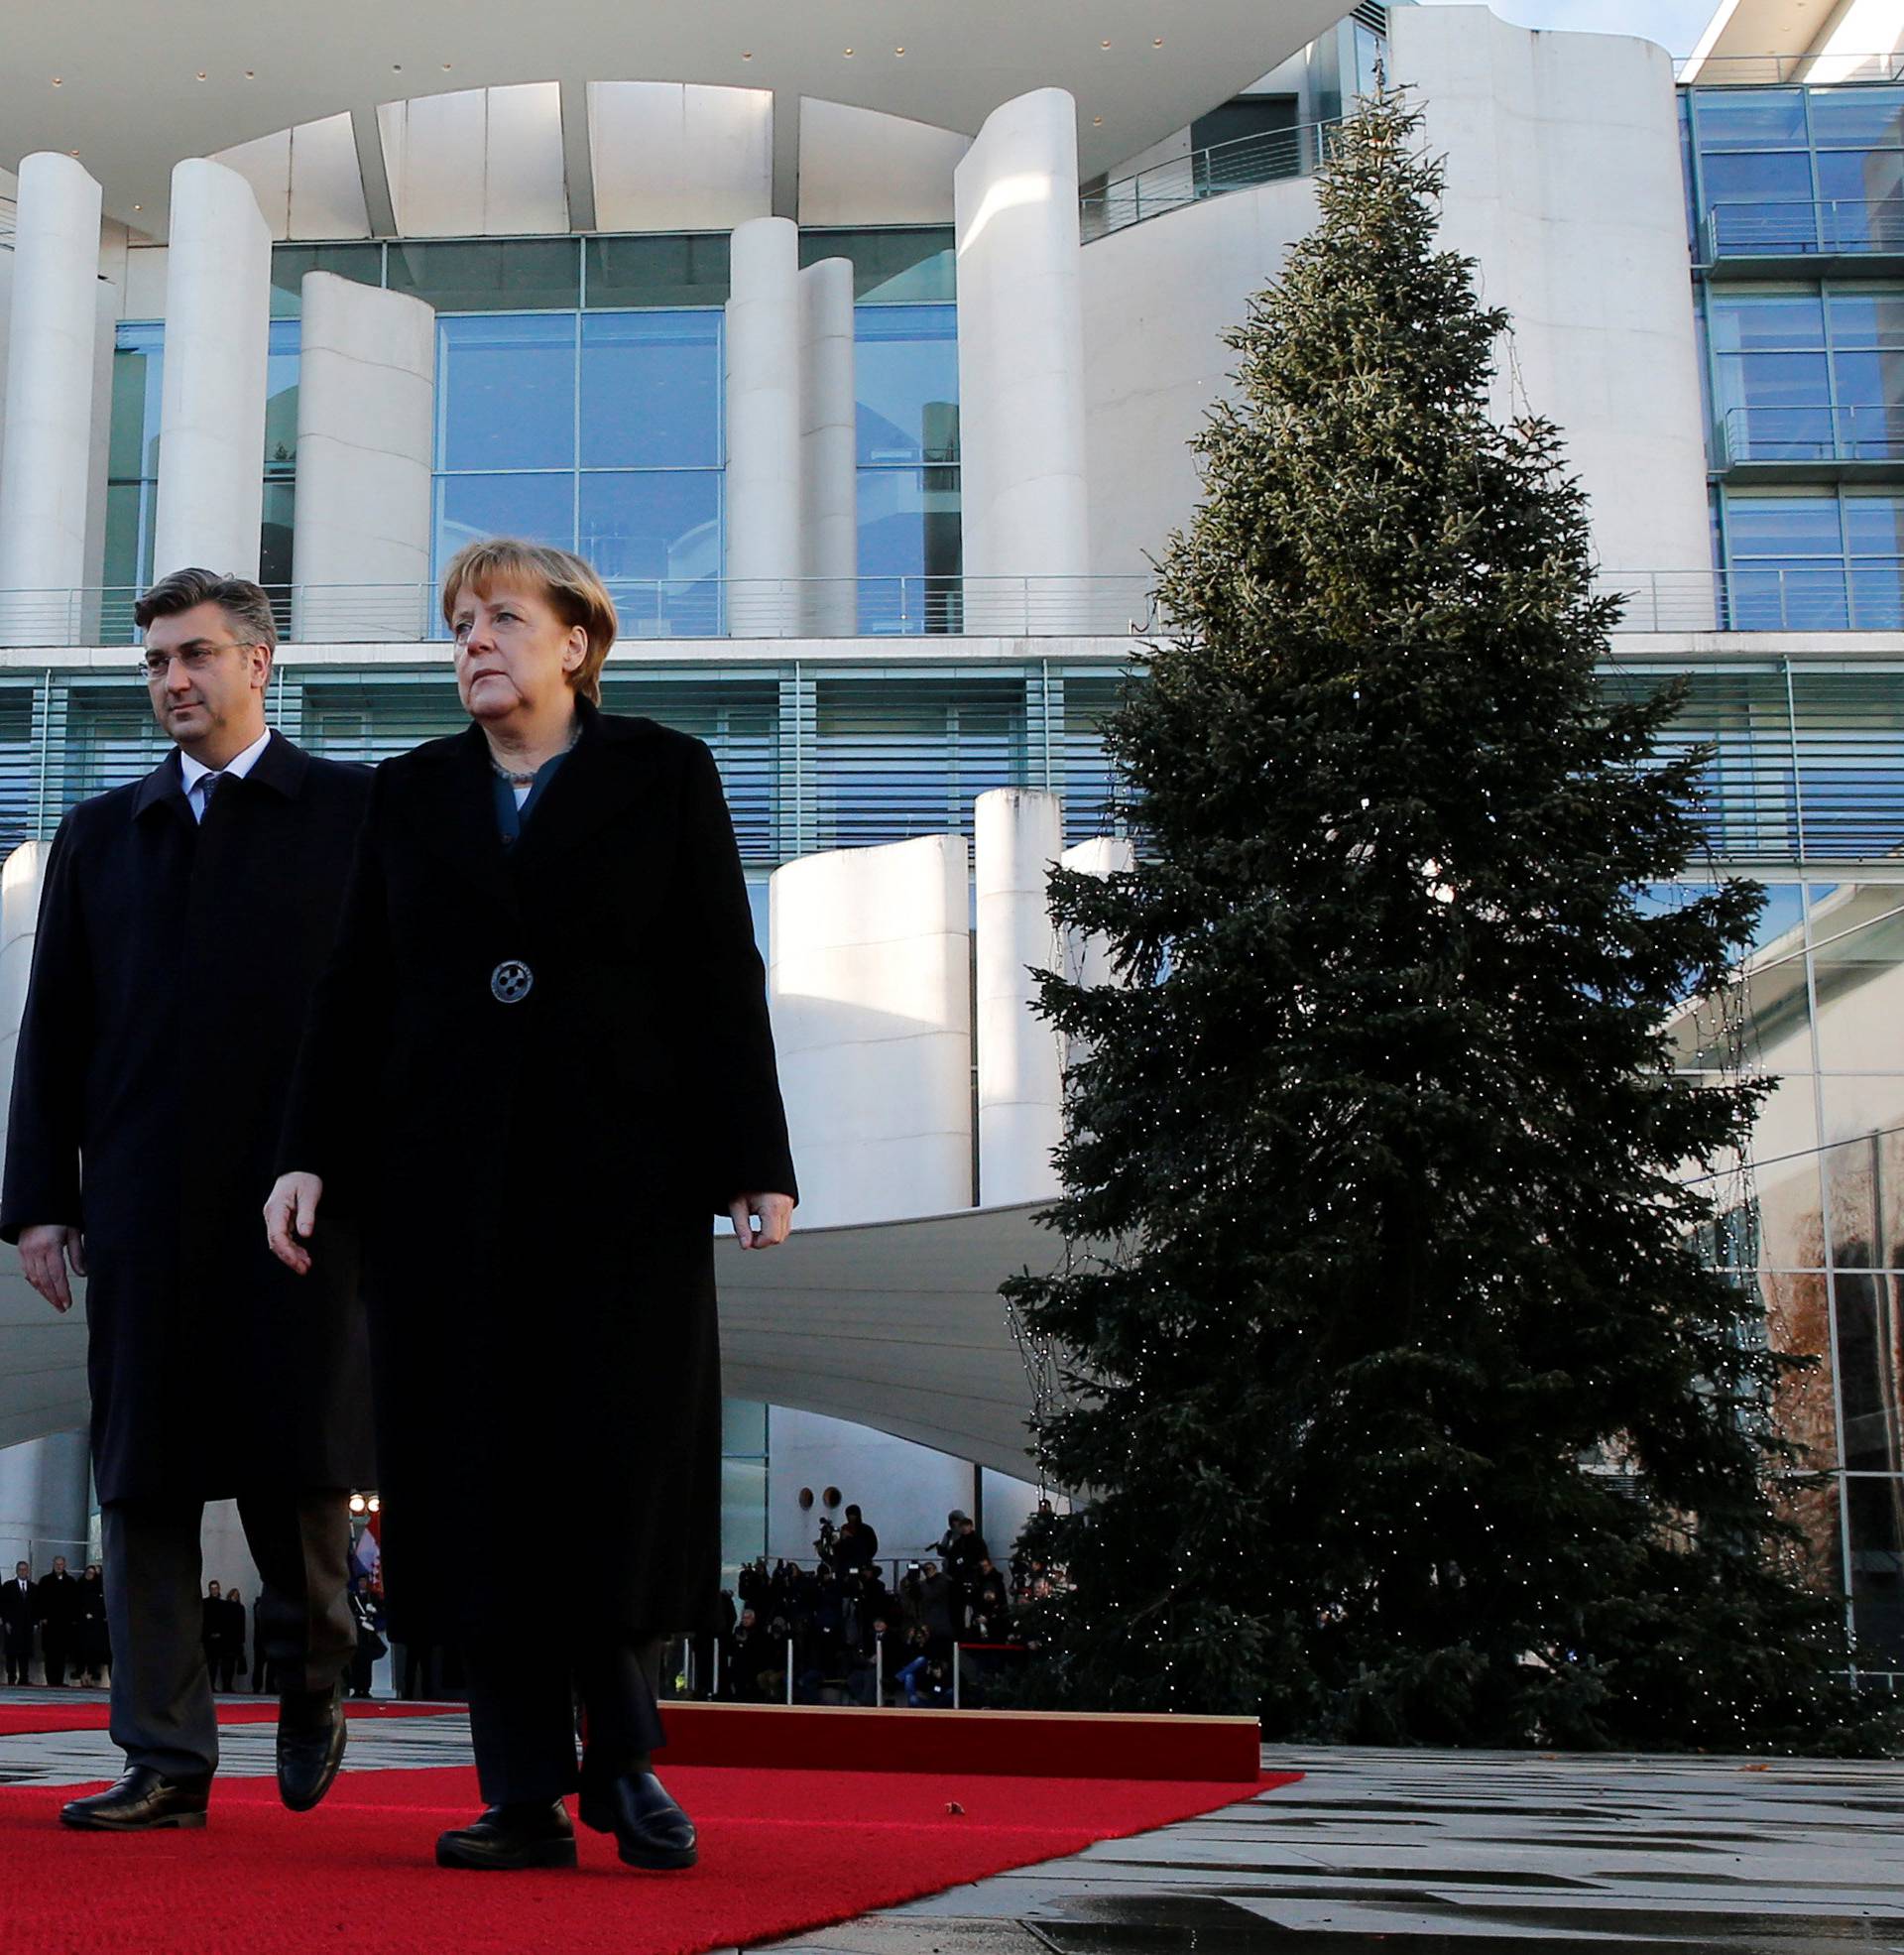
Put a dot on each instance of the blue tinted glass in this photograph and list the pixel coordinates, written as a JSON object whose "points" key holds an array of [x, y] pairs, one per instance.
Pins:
{"points": [[1874, 317], [1754, 322], [536, 508], [505, 391], [1749, 118], [652, 390], [908, 360], [138, 375], [280, 401], [1877, 595], [1858, 118], [908, 549], [1875, 526], [655, 535], [1782, 176], [1782, 526]]}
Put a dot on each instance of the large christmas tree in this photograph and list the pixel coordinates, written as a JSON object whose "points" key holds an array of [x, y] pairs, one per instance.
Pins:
{"points": [[1405, 1403]]}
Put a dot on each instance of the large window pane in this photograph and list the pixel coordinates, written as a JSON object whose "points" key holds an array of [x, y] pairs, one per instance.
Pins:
{"points": [[690, 270], [538, 508], [1861, 176], [893, 265], [908, 549], [655, 535], [1874, 525], [506, 393], [1873, 317], [138, 373], [289, 262], [1858, 118], [1782, 526], [1777, 176], [908, 360], [1763, 321], [1749, 118], [651, 389], [280, 401], [513, 275], [1874, 1511]]}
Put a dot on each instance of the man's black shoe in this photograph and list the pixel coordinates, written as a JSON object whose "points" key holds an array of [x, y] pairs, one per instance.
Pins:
{"points": [[512, 1836], [311, 1745], [650, 1829], [144, 1800]]}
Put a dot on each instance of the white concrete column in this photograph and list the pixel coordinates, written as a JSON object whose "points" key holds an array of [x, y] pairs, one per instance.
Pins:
{"points": [[49, 418], [1021, 369], [1087, 958], [366, 430], [1018, 838], [764, 429], [868, 979], [45, 1503], [211, 428], [829, 450]]}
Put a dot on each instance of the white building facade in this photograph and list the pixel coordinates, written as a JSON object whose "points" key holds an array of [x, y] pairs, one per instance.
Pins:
{"points": [[865, 374]]}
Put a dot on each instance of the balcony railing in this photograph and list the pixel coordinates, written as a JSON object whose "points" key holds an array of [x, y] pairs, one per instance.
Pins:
{"points": [[1868, 594], [1786, 71], [653, 608], [1837, 227], [1811, 437], [1236, 166]]}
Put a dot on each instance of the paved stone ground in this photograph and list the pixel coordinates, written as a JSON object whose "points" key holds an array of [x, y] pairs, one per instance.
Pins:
{"points": [[1416, 1853]]}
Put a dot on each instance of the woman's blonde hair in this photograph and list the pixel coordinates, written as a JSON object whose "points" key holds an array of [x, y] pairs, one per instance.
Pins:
{"points": [[567, 584]]}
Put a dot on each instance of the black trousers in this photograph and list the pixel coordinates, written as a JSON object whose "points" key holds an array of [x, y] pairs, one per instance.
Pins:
{"points": [[55, 1643], [522, 1718], [162, 1712], [19, 1653]]}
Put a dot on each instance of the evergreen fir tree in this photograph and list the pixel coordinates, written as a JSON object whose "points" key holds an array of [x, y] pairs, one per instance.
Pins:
{"points": [[1406, 1405]]}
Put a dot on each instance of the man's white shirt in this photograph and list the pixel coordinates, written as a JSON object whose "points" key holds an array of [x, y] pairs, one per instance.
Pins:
{"points": [[194, 771]]}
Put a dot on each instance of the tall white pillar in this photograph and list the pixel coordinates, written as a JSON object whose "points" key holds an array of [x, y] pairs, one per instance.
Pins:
{"points": [[829, 450], [1018, 838], [1021, 369], [870, 980], [764, 429], [48, 420], [211, 428], [366, 423], [1087, 958], [44, 1501]]}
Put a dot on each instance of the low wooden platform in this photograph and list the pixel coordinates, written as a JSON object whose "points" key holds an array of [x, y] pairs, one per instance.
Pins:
{"points": [[1012, 1744]]}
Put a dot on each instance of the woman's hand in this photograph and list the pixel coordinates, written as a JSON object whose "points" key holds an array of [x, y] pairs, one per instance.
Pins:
{"points": [[291, 1214], [774, 1214]]}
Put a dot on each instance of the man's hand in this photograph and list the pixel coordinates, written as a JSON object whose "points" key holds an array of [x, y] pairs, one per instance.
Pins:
{"points": [[291, 1214], [45, 1251], [761, 1220]]}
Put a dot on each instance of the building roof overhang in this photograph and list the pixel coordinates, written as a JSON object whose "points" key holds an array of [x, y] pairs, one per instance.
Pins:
{"points": [[133, 89]]}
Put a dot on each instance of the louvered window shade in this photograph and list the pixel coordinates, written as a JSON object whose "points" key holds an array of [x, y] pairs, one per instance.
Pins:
{"points": [[899, 760]]}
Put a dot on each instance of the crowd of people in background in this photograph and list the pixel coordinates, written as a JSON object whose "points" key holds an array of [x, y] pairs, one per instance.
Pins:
{"points": [[855, 1633], [67, 1614]]}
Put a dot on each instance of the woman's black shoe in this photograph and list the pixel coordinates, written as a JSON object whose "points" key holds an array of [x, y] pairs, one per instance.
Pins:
{"points": [[650, 1829], [144, 1800], [509, 1836]]}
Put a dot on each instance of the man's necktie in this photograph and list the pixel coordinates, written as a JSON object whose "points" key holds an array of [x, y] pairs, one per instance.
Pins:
{"points": [[206, 786]]}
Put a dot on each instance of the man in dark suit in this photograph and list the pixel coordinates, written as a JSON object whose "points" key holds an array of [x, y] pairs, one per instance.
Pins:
{"points": [[182, 923], [17, 1607], [56, 1605]]}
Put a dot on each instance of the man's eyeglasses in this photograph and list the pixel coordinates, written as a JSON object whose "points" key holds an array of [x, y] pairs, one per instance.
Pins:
{"points": [[196, 659]]}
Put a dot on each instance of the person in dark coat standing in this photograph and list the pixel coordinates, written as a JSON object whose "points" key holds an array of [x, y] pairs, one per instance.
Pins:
{"points": [[92, 1651], [57, 1607], [182, 923], [538, 1063], [18, 1611]]}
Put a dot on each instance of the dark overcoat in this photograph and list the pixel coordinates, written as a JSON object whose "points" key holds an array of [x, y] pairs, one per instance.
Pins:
{"points": [[170, 981], [536, 1073]]}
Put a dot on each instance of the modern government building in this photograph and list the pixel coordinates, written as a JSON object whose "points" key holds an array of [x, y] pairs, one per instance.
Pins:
{"points": [[859, 348]]}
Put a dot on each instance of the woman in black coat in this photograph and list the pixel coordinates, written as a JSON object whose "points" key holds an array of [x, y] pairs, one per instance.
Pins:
{"points": [[539, 1063]]}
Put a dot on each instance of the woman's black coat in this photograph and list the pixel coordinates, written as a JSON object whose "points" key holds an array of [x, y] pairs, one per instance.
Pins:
{"points": [[170, 976], [536, 1072]]}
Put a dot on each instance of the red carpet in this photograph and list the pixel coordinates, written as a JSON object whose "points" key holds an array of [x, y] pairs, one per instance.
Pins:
{"points": [[19, 1720], [782, 1851]]}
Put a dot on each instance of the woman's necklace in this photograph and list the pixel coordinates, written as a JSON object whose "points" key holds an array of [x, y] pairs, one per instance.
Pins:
{"points": [[528, 779]]}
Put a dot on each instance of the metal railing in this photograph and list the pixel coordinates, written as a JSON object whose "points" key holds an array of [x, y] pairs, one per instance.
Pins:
{"points": [[1810, 434], [1846, 226], [1784, 70], [653, 608], [1241, 165], [1866, 594]]}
